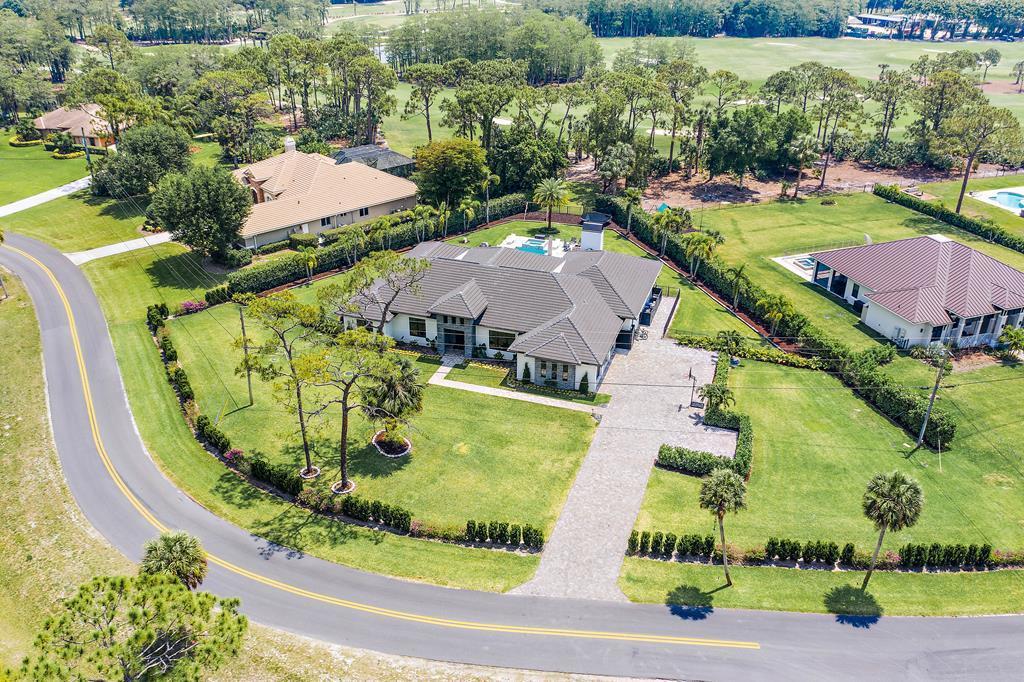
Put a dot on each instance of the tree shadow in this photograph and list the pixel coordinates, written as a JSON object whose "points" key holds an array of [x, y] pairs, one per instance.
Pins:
{"points": [[367, 462], [290, 532], [853, 606], [691, 603], [182, 271], [236, 492]]}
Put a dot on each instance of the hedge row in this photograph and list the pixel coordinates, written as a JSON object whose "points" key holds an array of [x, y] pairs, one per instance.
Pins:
{"points": [[983, 228], [209, 432], [813, 551], [338, 252], [281, 476], [937, 555], [376, 511], [659, 544], [760, 353], [702, 463], [102, 151], [904, 406], [155, 316], [502, 533], [179, 380], [18, 142]]}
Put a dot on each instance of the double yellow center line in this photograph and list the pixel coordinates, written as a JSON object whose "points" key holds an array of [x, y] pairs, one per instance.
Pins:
{"points": [[327, 599]]}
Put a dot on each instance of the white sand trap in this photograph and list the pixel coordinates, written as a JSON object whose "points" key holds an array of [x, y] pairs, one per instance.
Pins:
{"points": [[936, 51], [502, 121], [783, 44]]}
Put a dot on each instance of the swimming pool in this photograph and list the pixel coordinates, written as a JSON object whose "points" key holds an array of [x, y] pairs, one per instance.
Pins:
{"points": [[1010, 199], [533, 246], [806, 263]]}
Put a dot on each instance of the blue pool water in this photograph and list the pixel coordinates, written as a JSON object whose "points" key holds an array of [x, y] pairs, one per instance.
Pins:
{"points": [[805, 262], [533, 246], [1010, 199]]}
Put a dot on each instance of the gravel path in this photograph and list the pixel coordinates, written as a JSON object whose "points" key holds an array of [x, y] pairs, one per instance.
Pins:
{"points": [[650, 390]]}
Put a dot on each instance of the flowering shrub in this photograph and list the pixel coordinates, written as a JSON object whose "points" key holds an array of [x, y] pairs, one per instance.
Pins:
{"points": [[189, 307]]}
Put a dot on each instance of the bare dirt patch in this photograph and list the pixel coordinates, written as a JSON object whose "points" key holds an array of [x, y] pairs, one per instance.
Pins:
{"points": [[1002, 88], [965, 362]]}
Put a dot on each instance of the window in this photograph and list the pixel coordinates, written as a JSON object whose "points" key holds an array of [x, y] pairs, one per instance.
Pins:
{"points": [[325, 222], [855, 292], [565, 372], [418, 327], [363, 212], [543, 369], [500, 340]]}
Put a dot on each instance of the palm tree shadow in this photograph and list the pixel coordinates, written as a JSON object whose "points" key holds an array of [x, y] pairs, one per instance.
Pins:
{"points": [[691, 603], [853, 606]]}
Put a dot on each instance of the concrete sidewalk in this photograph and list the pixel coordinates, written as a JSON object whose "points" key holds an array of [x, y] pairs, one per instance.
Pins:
{"points": [[43, 197], [439, 378], [80, 257]]}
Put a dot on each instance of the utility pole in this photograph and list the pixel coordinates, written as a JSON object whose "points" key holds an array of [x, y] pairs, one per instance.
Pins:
{"points": [[245, 349], [941, 361]]}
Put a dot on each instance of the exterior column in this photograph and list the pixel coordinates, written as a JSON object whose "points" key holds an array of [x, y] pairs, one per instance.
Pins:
{"points": [[958, 332], [998, 329]]}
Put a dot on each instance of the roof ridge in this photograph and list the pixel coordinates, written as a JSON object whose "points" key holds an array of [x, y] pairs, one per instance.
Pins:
{"points": [[568, 346], [583, 338]]}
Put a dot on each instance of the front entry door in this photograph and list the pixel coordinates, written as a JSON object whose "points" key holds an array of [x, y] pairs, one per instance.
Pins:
{"points": [[454, 341]]}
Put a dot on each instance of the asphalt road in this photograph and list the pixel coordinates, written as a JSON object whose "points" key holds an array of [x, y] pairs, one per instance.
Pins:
{"points": [[126, 497]]}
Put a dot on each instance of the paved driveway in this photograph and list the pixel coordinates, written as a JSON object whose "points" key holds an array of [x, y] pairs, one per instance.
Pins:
{"points": [[650, 389]]}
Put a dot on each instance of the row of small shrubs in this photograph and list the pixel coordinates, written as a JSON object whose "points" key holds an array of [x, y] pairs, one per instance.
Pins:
{"points": [[281, 476], [812, 551], [167, 349], [759, 353], [52, 146], [376, 511], [338, 252], [303, 239], [18, 142], [937, 555], [217, 295], [272, 247], [664, 545], [903, 405], [502, 533], [179, 380], [209, 432], [155, 316], [69, 155], [983, 228], [235, 258]]}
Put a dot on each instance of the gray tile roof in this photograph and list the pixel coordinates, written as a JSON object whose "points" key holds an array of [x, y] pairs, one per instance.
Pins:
{"points": [[924, 279], [564, 309]]}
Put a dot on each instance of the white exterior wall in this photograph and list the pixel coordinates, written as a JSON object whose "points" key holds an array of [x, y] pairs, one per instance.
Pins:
{"points": [[591, 372], [340, 220], [523, 361], [592, 241], [886, 323], [398, 329]]}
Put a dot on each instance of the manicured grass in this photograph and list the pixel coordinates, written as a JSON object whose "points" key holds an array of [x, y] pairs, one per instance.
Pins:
{"points": [[49, 546], [471, 452], [948, 192], [80, 221], [816, 445], [481, 375], [31, 170], [756, 234], [694, 591], [125, 286]]}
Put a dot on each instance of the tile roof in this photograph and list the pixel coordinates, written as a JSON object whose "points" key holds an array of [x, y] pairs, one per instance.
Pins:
{"points": [[311, 186], [74, 119], [564, 309], [924, 279]]}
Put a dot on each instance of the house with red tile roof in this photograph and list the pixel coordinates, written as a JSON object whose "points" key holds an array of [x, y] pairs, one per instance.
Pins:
{"points": [[925, 290]]}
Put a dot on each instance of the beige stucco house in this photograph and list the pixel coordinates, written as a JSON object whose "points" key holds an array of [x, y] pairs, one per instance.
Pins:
{"points": [[297, 192], [82, 122]]}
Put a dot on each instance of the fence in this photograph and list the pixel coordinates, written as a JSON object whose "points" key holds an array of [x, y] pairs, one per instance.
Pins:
{"points": [[904, 184], [826, 246]]}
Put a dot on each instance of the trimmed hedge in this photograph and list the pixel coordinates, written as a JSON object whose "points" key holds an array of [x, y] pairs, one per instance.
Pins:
{"points": [[236, 258], [502, 533], [983, 228], [666, 545], [217, 295], [18, 142], [273, 247], [213, 435], [375, 511], [760, 353], [903, 406], [303, 239], [937, 555], [280, 476], [179, 380]]}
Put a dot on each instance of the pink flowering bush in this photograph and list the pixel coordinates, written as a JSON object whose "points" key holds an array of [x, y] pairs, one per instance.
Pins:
{"points": [[189, 307]]}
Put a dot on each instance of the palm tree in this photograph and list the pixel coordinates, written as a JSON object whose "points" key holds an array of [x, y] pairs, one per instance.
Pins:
{"points": [[699, 247], [385, 230], [1012, 337], [395, 398], [632, 197], [721, 492], [892, 502], [176, 553], [468, 208], [444, 214], [669, 221], [772, 308], [716, 396], [549, 193], [737, 280], [491, 181], [421, 217], [731, 341], [804, 151], [309, 259]]}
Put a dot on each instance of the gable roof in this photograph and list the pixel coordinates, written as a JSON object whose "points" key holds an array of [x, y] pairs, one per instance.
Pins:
{"points": [[559, 315], [924, 279], [308, 187], [625, 281], [74, 120]]}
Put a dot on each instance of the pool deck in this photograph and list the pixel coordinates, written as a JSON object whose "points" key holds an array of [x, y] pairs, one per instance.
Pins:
{"points": [[530, 245], [790, 263], [989, 197]]}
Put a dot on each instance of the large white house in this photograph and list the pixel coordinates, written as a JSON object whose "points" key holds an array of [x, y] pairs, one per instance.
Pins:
{"points": [[295, 192], [560, 318], [925, 290]]}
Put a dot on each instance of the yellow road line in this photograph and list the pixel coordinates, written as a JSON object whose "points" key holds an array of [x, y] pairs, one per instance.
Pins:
{"points": [[345, 603]]}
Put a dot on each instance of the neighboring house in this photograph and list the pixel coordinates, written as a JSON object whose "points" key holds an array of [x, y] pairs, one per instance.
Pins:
{"points": [[378, 157], [562, 317], [82, 122], [925, 290], [309, 193]]}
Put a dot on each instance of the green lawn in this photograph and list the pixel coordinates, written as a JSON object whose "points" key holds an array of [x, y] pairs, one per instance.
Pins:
{"points": [[31, 170], [948, 192], [695, 590], [80, 221], [125, 286], [816, 445], [756, 234]]}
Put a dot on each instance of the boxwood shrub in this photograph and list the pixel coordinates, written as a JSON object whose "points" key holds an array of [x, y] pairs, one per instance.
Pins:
{"points": [[213, 435], [281, 476]]}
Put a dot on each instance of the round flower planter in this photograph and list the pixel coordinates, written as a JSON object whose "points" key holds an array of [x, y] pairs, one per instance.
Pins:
{"points": [[337, 489], [377, 436], [309, 475]]}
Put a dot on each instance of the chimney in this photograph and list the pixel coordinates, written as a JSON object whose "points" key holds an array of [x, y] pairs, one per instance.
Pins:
{"points": [[289, 144]]}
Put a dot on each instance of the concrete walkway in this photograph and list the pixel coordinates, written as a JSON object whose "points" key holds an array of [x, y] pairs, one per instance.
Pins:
{"points": [[650, 388], [80, 257], [439, 378], [43, 197]]}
